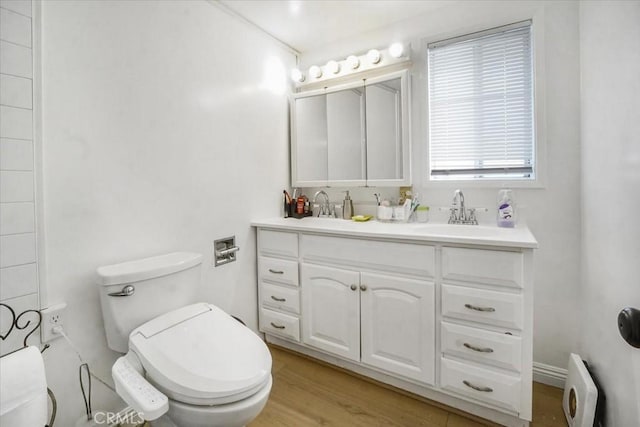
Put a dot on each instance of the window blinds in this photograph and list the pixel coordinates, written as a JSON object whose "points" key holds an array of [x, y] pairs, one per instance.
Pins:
{"points": [[481, 105]]}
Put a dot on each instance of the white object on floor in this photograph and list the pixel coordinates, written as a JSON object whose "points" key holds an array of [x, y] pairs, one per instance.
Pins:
{"points": [[580, 394], [23, 389]]}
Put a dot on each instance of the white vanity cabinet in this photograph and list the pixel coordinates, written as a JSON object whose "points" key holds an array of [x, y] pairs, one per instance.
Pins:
{"points": [[444, 317], [485, 327], [379, 319], [331, 304], [397, 325], [278, 290]]}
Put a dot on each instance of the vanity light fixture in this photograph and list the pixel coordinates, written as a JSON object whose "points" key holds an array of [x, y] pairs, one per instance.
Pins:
{"points": [[396, 50], [396, 55], [333, 67], [315, 71], [297, 76], [353, 62], [374, 56]]}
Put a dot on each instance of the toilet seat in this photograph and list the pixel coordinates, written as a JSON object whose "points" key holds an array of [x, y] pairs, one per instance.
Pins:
{"points": [[200, 355]]}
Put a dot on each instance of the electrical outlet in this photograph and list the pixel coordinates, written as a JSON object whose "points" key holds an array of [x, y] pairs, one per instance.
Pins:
{"points": [[51, 317]]}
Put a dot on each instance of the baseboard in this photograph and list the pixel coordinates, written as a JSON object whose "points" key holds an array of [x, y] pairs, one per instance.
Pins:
{"points": [[550, 375]]}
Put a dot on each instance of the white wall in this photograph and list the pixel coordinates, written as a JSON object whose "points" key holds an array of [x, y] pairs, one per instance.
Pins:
{"points": [[552, 212], [160, 134], [18, 253], [610, 66]]}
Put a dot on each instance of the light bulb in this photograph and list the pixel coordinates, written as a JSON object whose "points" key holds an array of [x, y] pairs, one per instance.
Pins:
{"points": [[297, 76], [333, 67], [374, 56], [396, 50], [353, 62], [315, 71]]}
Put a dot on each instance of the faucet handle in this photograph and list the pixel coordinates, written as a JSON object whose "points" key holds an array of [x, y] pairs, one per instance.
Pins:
{"points": [[452, 214]]}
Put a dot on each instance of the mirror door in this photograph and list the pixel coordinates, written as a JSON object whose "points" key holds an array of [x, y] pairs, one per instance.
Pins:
{"points": [[328, 143], [353, 135], [310, 142], [345, 129], [387, 131]]}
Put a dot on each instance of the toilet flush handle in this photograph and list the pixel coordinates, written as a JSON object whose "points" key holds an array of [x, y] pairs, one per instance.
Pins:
{"points": [[127, 291]]}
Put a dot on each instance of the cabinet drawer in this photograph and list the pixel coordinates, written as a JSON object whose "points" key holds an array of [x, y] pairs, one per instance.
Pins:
{"points": [[284, 325], [407, 258], [492, 348], [486, 385], [479, 305], [278, 243], [278, 270], [500, 268], [280, 298]]}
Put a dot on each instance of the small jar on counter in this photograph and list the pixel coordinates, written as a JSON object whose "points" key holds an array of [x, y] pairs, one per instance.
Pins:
{"points": [[422, 214]]}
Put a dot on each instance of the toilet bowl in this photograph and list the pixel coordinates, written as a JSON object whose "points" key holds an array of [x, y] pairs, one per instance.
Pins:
{"points": [[190, 366]]}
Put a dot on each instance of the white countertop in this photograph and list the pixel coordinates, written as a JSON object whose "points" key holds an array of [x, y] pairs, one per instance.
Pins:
{"points": [[518, 237]]}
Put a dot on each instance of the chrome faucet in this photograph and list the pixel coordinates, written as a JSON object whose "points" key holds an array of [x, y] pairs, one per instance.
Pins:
{"points": [[458, 195], [459, 213], [325, 209]]}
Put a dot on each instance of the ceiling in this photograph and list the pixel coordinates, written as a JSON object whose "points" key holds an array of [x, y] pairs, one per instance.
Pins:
{"points": [[308, 24]]}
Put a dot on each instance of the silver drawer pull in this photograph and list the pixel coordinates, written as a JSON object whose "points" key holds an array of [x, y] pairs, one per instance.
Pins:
{"points": [[478, 388], [271, 270], [278, 299], [476, 308], [478, 349], [277, 326]]}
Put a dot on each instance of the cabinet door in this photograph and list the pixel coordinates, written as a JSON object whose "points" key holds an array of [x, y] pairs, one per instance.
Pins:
{"points": [[387, 130], [346, 146], [331, 310], [398, 318], [310, 141]]}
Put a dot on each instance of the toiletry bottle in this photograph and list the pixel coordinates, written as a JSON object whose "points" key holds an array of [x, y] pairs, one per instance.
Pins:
{"points": [[347, 207], [506, 209], [287, 204]]}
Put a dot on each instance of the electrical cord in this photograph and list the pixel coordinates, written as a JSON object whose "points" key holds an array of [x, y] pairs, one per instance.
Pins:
{"points": [[87, 399], [84, 366], [54, 407]]}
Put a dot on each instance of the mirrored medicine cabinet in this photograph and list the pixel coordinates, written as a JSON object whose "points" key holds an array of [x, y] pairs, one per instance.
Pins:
{"points": [[352, 135]]}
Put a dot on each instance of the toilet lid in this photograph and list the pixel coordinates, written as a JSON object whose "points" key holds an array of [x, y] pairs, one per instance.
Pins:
{"points": [[200, 355]]}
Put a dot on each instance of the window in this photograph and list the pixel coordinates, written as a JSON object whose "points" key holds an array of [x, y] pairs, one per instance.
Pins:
{"points": [[481, 106]]}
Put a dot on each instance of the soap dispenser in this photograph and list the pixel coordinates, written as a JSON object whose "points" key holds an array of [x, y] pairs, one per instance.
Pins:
{"points": [[347, 207], [506, 209]]}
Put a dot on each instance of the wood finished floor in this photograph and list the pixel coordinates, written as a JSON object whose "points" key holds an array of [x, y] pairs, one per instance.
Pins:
{"points": [[310, 393]]}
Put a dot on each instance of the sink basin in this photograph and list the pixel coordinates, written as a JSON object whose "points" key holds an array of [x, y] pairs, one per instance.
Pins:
{"points": [[459, 230]]}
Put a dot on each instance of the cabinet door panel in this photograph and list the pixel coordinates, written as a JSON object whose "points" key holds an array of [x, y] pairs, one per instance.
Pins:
{"points": [[384, 136], [331, 311], [398, 332], [345, 122], [311, 139]]}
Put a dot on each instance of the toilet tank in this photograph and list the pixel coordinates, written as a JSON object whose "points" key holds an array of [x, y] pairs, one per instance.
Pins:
{"points": [[159, 284]]}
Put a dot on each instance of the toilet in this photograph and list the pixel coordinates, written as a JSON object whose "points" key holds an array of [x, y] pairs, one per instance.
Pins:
{"points": [[186, 364]]}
